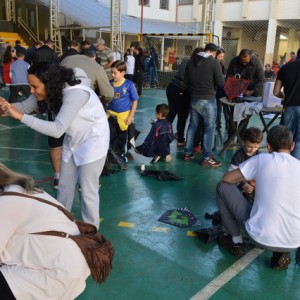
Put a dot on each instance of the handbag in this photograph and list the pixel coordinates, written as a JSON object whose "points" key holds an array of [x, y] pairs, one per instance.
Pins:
{"points": [[235, 86], [96, 249]]}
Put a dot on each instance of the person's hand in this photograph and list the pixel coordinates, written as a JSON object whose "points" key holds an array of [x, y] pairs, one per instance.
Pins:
{"points": [[249, 92], [9, 110], [252, 182], [128, 121], [247, 188]]}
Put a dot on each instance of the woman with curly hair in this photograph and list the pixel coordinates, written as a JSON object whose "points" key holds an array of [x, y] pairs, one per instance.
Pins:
{"points": [[78, 113], [36, 266]]}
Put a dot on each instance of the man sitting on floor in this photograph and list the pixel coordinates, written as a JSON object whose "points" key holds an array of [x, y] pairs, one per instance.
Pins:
{"points": [[273, 222]]}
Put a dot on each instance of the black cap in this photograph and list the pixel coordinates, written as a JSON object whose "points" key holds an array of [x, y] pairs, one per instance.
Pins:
{"points": [[211, 47]]}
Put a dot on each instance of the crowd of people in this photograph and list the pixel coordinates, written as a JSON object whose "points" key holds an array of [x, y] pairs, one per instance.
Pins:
{"points": [[90, 96]]}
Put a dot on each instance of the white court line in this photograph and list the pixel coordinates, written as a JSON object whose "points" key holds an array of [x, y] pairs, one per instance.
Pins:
{"points": [[25, 149], [224, 277]]}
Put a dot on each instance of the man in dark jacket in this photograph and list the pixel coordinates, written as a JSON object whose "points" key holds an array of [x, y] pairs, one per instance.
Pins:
{"points": [[203, 73], [73, 49], [45, 53], [248, 66]]}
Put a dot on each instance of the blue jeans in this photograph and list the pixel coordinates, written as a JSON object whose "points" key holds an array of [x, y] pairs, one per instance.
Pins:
{"points": [[291, 119], [207, 109]]}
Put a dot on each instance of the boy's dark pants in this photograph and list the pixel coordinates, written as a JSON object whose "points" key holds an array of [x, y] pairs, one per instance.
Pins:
{"points": [[118, 138]]}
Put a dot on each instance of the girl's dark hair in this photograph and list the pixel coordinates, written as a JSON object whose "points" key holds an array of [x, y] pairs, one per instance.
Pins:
{"points": [[141, 51], [7, 56], [55, 78], [219, 51]]}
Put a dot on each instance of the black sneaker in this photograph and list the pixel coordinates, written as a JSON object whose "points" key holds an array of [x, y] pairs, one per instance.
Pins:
{"points": [[237, 249], [280, 260], [225, 241], [55, 183]]}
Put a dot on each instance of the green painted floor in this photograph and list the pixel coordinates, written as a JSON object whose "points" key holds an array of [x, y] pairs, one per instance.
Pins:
{"points": [[154, 260]]}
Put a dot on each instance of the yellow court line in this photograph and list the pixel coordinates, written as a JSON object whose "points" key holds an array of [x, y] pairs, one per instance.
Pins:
{"points": [[126, 224]]}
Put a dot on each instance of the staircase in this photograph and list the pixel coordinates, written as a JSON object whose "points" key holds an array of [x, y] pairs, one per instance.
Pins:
{"points": [[11, 37]]}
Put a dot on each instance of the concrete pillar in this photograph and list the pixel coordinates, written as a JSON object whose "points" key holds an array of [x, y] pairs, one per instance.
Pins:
{"points": [[218, 30], [271, 34], [271, 39], [218, 24], [244, 12], [291, 44]]}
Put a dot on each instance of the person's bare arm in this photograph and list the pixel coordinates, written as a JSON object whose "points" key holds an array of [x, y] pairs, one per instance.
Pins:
{"points": [[234, 176], [277, 89]]}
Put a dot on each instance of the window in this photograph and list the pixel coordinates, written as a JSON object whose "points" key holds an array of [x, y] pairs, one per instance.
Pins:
{"points": [[146, 2], [185, 2], [164, 4]]}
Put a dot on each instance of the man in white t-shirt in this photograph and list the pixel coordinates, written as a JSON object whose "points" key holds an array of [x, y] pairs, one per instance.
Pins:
{"points": [[273, 222]]}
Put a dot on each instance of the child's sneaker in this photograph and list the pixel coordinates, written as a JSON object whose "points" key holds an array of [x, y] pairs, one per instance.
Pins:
{"points": [[155, 160], [188, 157], [211, 162]]}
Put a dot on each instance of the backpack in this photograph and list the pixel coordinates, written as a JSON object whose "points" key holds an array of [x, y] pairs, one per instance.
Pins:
{"points": [[96, 249]]}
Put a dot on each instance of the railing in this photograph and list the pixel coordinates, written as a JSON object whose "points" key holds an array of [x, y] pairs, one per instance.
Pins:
{"points": [[22, 23]]}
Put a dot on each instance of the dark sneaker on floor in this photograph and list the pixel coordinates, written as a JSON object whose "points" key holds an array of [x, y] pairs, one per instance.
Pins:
{"points": [[188, 157], [225, 241], [280, 260], [155, 159], [55, 183], [211, 162], [237, 249]]}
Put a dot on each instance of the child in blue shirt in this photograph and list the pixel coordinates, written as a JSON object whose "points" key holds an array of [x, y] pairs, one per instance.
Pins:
{"points": [[121, 109], [18, 75], [157, 142]]}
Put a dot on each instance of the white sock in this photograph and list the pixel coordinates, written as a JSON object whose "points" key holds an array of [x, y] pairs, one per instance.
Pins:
{"points": [[56, 175], [237, 239]]}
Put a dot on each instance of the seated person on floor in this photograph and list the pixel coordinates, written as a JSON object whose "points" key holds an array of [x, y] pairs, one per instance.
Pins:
{"points": [[273, 220], [252, 138], [36, 266], [157, 142]]}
